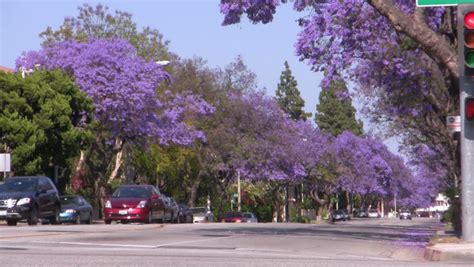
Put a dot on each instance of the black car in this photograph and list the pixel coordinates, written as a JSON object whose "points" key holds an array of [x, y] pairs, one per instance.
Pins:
{"points": [[29, 198], [338, 215], [405, 214], [185, 214], [75, 209]]}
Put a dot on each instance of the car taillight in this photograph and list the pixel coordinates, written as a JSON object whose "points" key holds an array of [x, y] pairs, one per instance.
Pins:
{"points": [[142, 204], [108, 204]]}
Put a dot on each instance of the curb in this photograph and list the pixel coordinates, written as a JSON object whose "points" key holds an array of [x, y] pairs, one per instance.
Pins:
{"points": [[433, 254]]}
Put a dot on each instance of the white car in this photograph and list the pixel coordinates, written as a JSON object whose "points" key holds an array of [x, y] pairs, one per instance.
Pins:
{"points": [[374, 214], [250, 217], [202, 214]]}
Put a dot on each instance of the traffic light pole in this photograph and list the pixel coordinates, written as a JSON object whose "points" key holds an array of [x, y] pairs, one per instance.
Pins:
{"points": [[466, 86], [467, 163]]}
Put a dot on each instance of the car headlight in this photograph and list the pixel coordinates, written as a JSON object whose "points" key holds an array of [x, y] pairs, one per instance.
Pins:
{"points": [[23, 201], [108, 204], [70, 211], [142, 204]]}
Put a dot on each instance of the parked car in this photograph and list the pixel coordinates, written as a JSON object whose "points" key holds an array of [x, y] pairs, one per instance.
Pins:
{"points": [[29, 198], [233, 217], [202, 214], [134, 203], [171, 209], [347, 216], [373, 213], [75, 209], [338, 215], [405, 214], [363, 214], [250, 217], [185, 214]]}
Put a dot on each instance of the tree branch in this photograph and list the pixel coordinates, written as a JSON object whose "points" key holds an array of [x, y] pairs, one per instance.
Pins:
{"points": [[434, 45]]}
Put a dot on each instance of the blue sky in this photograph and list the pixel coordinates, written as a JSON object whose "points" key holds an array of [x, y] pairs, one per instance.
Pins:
{"points": [[192, 26]]}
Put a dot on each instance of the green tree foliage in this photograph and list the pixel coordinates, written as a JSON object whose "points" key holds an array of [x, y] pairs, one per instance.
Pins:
{"points": [[335, 113], [97, 22], [42, 118], [288, 95]]}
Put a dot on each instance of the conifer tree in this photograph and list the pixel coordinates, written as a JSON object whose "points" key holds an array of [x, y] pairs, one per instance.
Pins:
{"points": [[288, 96], [335, 113]]}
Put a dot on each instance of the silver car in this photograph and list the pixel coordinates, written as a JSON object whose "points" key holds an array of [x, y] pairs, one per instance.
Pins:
{"points": [[250, 217], [202, 214]]}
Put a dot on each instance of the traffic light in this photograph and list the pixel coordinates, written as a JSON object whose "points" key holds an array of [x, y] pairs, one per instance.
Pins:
{"points": [[468, 33], [469, 107]]}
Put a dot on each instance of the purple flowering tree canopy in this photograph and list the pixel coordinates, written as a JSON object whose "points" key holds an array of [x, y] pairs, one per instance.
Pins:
{"points": [[123, 88]]}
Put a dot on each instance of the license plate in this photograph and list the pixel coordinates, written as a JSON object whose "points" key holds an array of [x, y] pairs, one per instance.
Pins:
{"points": [[123, 212], [3, 212]]}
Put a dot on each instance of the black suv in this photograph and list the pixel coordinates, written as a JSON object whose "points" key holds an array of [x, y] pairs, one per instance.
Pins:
{"points": [[29, 198]]}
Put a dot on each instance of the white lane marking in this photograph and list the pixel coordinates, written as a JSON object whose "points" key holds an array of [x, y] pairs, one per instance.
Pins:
{"points": [[191, 241], [93, 244], [126, 245]]}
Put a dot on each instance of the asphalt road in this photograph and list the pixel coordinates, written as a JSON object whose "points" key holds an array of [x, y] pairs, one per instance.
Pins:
{"points": [[363, 242]]}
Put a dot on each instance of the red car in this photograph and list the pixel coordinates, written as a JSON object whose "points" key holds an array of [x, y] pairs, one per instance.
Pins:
{"points": [[134, 203], [234, 217]]}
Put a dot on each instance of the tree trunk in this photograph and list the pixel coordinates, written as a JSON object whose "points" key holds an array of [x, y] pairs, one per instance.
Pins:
{"points": [[194, 191], [118, 164]]}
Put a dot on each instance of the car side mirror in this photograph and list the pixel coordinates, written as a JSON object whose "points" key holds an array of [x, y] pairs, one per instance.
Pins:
{"points": [[155, 197], [43, 191]]}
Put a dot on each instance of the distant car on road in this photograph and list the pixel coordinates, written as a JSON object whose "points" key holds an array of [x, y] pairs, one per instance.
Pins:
{"points": [[250, 217], [373, 213], [134, 203], [405, 214], [234, 217], [338, 215], [363, 214], [347, 216], [171, 209], [185, 214], [202, 214], [75, 209], [29, 198]]}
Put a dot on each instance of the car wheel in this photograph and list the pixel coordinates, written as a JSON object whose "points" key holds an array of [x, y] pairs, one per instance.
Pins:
{"points": [[89, 219], [33, 218], [107, 221], [150, 217], [55, 219], [12, 222]]}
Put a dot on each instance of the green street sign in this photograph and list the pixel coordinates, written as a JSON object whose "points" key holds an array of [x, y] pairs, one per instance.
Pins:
{"points": [[442, 2]]}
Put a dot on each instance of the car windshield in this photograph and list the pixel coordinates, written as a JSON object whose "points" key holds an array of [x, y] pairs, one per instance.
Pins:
{"points": [[19, 185], [132, 192], [198, 210], [67, 200], [338, 212]]}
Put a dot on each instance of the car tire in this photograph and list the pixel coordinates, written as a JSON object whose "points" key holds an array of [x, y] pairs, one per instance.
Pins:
{"points": [[149, 220], [12, 222], [55, 219], [33, 218], [89, 219], [107, 221]]}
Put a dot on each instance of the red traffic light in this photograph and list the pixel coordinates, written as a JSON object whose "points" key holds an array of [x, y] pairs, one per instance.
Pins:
{"points": [[469, 20], [469, 108]]}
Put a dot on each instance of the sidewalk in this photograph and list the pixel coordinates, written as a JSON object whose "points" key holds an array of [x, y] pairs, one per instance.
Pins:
{"points": [[461, 252]]}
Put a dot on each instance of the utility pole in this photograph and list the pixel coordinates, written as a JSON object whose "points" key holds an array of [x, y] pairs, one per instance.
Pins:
{"points": [[465, 29], [239, 204]]}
